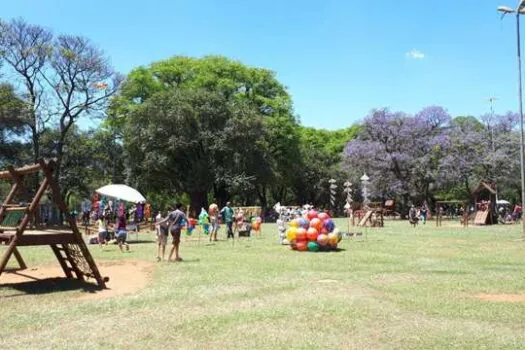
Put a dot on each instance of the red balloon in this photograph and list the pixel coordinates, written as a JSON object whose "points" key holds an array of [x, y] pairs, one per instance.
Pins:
{"points": [[317, 224], [312, 234], [301, 246], [323, 216], [312, 214], [324, 231], [300, 236]]}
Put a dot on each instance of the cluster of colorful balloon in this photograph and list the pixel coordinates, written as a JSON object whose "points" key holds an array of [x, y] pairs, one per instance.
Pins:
{"points": [[313, 232], [190, 226], [256, 223], [204, 221]]}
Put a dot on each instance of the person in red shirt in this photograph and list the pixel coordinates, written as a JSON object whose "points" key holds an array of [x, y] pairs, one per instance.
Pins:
{"points": [[517, 212]]}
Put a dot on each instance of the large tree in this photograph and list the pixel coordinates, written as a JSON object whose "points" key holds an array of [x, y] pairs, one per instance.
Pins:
{"points": [[400, 152], [188, 141], [12, 122], [63, 79], [275, 139]]}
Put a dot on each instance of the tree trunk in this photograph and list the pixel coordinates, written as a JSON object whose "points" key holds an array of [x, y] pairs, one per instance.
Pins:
{"points": [[261, 193], [198, 200], [221, 195], [404, 206]]}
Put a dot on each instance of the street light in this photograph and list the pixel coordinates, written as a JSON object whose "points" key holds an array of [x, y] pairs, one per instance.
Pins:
{"points": [[505, 10], [364, 181]]}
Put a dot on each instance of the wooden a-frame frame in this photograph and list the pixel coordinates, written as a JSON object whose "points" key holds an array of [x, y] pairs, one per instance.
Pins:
{"points": [[67, 245]]}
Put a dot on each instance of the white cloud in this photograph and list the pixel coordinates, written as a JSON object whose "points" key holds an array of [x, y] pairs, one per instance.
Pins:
{"points": [[415, 54]]}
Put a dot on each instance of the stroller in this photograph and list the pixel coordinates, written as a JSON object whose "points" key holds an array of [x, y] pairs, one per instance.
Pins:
{"points": [[244, 229]]}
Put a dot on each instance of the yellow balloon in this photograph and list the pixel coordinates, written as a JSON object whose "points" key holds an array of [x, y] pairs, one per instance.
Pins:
{"points": [[294, 223], [291, 234], [332, 239]]}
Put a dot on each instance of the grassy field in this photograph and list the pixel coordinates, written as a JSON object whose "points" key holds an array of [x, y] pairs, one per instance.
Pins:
{"points": [[398, 288]]}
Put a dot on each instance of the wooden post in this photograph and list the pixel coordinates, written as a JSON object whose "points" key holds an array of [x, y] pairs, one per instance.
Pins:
{"points": [[11, 193], [25, 220]]}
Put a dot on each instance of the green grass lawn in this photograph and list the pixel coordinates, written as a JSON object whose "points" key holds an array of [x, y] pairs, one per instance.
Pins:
{"points": [[398, 288]]}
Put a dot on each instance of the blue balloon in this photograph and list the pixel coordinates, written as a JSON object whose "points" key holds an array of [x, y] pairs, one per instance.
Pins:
{"points": [[329, 225], [305, 223]]}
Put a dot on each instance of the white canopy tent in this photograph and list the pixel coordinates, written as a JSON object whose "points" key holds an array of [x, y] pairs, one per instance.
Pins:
{"points": [[122, 192]]}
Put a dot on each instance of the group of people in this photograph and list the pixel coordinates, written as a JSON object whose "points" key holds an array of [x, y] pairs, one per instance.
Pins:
{"points": [[119, 228], [418, 214], [111, 210], [173, 222]]}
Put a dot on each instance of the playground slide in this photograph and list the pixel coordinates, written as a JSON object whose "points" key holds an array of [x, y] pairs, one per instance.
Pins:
{"points": [[481, 217], [365, 218]]}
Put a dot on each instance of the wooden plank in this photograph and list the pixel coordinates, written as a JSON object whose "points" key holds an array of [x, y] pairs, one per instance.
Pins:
{"points": [[45, 239], [365, 219], [15, 208], [28, 169]]}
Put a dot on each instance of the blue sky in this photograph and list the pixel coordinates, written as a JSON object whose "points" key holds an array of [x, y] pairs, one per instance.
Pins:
{"points": [[339, 58]]}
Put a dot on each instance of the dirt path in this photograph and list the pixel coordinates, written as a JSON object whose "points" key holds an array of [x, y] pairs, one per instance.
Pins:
{"points": [[125, 277]]}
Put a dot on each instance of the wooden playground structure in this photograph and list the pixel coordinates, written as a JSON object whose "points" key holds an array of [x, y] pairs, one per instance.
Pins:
{"points": [[373, 215], [485, 200], [20, 226]]}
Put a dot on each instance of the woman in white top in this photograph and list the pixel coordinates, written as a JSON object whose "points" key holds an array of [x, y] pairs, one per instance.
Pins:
{"points": [[157, 227], [102, 231]]}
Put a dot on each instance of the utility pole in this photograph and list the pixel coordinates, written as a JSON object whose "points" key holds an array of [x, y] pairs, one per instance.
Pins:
{"points": [[491, 126], [505, 10]]}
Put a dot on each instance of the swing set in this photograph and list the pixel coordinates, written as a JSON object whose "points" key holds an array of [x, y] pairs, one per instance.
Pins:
{"points": [[20, 226]]}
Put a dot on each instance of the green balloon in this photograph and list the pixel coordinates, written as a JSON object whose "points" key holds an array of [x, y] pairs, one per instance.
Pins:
{"points": [[313, 247]]}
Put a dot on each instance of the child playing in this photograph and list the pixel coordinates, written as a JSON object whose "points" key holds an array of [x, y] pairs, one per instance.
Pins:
{"points": [[102, 231], [122, 234]]}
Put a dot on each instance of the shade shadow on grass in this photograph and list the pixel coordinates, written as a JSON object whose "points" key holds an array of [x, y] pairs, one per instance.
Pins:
{"points": [[46, 286]]}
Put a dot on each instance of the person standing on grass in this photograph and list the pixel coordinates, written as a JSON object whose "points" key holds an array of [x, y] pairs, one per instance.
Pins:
{"points": [[102, 231], [158, 218], [213, 213], [162, 238], [176, 221], [227, 218], [122, 233], [424, 212]]}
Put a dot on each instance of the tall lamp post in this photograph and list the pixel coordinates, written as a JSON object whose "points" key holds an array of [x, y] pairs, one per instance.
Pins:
{"points": [[364, 181], [505, 10]]}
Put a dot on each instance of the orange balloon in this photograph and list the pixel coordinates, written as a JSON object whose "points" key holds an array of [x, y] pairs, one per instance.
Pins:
{"points": [[300, 235], [301, 246], [312, 234], [317, 224]]}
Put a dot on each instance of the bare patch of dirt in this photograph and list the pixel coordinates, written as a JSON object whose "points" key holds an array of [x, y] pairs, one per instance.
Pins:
{"points": [[125, 277], [502, 298]]}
